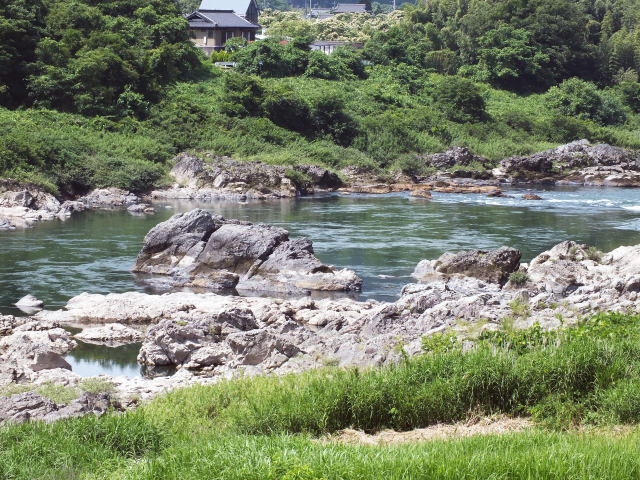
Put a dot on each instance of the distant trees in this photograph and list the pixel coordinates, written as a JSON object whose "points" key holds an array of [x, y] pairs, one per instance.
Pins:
{"points": [[272, 58]]}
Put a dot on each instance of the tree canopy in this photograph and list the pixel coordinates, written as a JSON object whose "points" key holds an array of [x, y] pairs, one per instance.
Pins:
{"points": [[92, 57]]}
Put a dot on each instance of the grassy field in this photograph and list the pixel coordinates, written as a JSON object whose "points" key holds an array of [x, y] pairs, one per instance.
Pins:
{"points": [[577, 384]]}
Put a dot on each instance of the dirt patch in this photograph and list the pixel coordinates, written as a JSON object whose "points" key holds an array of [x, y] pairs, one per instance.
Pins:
{"points": [[475, 426]]}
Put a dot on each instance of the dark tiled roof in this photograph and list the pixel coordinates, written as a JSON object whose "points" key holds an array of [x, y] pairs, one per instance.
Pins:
{"points": [[350, 8], [210, 19]]}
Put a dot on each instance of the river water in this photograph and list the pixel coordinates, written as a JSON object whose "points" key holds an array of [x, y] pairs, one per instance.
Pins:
{"points": [[381, 237]]}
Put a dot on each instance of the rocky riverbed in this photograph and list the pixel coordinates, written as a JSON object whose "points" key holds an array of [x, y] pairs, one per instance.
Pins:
{"points": [[208, 336]]}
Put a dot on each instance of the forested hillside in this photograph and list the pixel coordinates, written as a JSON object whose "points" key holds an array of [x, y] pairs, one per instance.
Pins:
{"points": [[100, 93]]}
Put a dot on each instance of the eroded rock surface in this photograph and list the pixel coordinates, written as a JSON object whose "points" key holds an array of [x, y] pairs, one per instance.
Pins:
{"points": [[203, 250], [209, 336], [212, 177], [491, 266], [21, 407]]}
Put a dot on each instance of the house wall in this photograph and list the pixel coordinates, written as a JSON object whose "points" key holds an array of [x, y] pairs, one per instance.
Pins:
{"points": [[219, 37]]}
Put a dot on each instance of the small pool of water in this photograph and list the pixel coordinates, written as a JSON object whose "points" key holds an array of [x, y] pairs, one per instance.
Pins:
{"points": [[381, 237]]}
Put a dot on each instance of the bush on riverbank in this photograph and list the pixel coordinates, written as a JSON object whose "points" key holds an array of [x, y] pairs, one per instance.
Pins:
{"points": [[588, 374]]}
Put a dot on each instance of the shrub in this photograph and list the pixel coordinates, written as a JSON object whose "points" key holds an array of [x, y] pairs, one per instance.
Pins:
{"points": [[460, 99], [575, 97], [631, 95], [518, 278]]}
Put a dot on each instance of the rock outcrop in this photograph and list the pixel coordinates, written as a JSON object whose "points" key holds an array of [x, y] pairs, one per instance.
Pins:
{"points": [[23, 207], [220, 336], [198, 249], [212, 177], [26, 406], [579, 163], [111, 334], [29, 346], [490, 266]]}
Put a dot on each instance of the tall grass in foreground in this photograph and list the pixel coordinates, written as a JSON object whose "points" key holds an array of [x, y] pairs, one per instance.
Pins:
{"points": [[261, 427]]}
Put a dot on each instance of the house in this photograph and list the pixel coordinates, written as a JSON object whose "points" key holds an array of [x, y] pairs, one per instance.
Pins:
{"points": [[328, 46], [350, 8], [216, 21], [320, 13]]}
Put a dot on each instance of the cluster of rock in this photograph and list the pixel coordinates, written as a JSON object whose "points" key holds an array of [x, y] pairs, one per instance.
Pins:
{"points": [[29, 346], [22, 207], [197, 249], [212, 177], [209, 336], [467, 290], [25, 406], [576, 163]]}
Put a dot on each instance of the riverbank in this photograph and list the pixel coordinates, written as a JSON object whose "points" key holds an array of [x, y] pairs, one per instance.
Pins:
{"points": [[274, 426], [209, 337]]}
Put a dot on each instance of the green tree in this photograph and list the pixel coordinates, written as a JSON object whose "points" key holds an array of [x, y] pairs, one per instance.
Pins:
{"points": [[512, 59], [460, 99]]}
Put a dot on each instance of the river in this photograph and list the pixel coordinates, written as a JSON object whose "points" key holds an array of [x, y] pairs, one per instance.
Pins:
{"points": [[381, 237]]}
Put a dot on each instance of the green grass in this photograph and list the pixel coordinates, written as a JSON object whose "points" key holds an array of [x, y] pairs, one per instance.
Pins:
{"points": [[264, 427]]}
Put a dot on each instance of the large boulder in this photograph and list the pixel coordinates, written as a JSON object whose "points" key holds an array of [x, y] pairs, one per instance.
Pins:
{"points": [[493, 266], [200, 250], [455, 156]]}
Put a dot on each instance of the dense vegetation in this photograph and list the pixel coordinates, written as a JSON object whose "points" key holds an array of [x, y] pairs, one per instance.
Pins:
{"points": [[263, 427], [92, 57], [105, 93]]}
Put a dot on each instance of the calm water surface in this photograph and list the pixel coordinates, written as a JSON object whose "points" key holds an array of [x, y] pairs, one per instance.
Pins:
{"points": [[381, 237]]}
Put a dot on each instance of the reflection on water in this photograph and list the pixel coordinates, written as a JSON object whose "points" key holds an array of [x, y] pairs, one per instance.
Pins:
{"points": [[89, 359]]}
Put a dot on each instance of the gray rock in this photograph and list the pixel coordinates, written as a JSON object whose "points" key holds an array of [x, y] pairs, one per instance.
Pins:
{"points": [[25, 406], [455, 156], [198, 249], [491, 266], [112, 334]]}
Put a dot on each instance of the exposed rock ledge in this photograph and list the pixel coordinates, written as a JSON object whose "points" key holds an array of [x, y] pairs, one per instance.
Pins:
{"points": [[209, 336], [197, 249], [22, 207], [211, 177]]}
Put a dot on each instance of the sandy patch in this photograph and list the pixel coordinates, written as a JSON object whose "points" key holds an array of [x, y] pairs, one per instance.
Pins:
{"points": [[494, 425]]}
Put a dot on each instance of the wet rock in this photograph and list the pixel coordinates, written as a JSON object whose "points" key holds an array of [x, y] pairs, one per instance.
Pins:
{"points": [[112, 334], [140, 208], [531, 196], [539, 163], [198, 249], [5, 224]]}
